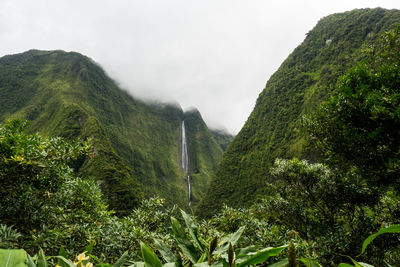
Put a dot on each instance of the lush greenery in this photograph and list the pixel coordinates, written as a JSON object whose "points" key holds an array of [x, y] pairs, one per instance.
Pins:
{"points": [[311, 214], [47, 206], [301, 83], [356, 189], [55, 209], [222, 137], [136, 145]]}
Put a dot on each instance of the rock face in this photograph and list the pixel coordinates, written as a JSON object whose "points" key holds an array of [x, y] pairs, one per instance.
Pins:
{"points": [[301, 83], [137, 145]]}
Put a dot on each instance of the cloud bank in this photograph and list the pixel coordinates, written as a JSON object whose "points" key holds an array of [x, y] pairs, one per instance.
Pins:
{"points": [[215, 55]]}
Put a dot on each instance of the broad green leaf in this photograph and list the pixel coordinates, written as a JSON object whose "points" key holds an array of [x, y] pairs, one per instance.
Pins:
{"points": [[232, 238], [242, 252], [363, 264], [310, 262], [281, 263], [13, 257], [137, 264], [89, 248], [30, 261], [95, 258], [262, 256], [193, 230], [356, 264], [149, 257], [165, 252], [391, 229], [203, 257], [103, 265], [184, 243], [170, 264], [121, 261], [62, 253], [42, 262]]}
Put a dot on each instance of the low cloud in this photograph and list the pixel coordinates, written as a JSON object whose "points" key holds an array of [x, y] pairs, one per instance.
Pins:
{"points": [[214, 55]]}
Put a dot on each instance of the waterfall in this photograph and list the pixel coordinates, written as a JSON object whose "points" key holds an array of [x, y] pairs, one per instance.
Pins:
{"points": [[185, 161]]}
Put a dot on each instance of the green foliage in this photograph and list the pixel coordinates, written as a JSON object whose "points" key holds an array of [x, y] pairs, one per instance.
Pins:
{"points": [[19, 258], [388, 230], [136, 144], [50, 207], [304, 80], [204, 153], [335, 206], [324, 206], [12, 257], [326, 209], [223, 138], [359, 125], [196, 252], [32, 169], [149, 257], [8, 236]]}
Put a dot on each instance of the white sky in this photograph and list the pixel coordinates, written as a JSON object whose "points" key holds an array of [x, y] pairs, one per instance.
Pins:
{"points": [[215, 55]]}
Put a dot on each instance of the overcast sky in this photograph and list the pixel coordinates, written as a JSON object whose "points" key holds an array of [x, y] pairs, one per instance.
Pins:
{"points": [[215, 55]]}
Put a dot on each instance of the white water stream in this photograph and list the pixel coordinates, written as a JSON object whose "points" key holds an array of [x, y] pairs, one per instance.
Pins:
{"points": [[185, 161]]}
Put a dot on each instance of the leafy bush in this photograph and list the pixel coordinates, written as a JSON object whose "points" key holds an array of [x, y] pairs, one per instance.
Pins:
{"points": [[195, 251], [8, 236], [359, 126], [32, 169]]}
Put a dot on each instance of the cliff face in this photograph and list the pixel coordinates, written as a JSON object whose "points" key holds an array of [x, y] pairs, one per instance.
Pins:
{"points": [[137, 146], [301, 83]]}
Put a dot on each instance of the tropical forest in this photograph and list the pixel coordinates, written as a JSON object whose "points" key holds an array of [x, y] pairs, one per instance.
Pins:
{"points": [[93, 176]]}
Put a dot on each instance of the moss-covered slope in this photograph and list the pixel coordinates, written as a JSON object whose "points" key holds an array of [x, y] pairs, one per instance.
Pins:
{"points": [[302, 82], [137, 146]]}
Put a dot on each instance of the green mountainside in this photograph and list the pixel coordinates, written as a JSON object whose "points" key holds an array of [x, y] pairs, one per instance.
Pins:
{"points": [[222, 137], [301, 83], [137, 146]]}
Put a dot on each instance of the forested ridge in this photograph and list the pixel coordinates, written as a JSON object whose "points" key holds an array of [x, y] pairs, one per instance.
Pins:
{"points": [[137, 144], [306, 78]]}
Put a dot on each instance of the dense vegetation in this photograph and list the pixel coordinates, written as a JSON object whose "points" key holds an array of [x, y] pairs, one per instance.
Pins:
{"points": [[136, 145], [355, 190], [63, 214], [46, 205], [222, 137], [302, 82]]}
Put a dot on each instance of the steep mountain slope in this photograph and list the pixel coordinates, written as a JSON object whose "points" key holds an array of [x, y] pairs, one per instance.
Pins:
{"points": [[222, 137], [302, 82], [137, 146]]}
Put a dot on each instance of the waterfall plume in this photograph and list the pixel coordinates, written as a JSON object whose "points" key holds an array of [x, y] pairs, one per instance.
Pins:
{"points": [[185, 161]]}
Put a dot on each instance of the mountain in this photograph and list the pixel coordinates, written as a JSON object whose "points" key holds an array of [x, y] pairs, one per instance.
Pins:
{"points": [[300, 84], [222, 137], [136, 145]]}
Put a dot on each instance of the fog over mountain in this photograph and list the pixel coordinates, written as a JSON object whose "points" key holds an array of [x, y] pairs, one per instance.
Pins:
{"points": [[212, 55]]}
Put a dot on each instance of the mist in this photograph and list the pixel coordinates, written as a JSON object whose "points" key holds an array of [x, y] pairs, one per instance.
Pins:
{"points": [[215, 55]]}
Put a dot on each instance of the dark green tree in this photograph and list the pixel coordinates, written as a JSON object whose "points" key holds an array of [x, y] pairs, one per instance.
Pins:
{"points": [[357, 130], [32, 169], [359, 126]]}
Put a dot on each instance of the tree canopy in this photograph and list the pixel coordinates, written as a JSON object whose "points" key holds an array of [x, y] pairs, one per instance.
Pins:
{"points": [[360, 124]]}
